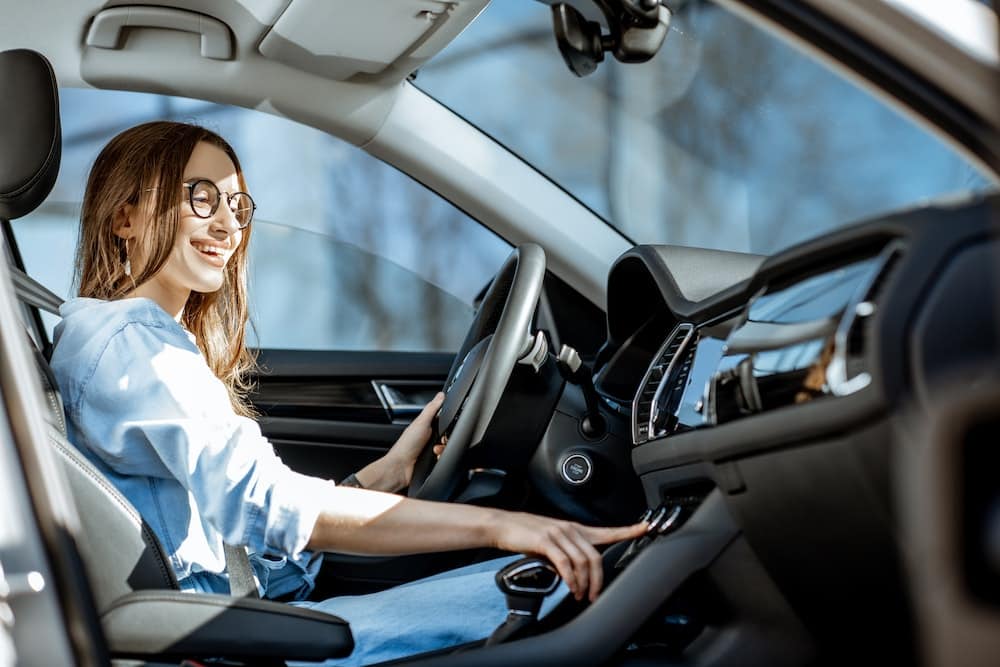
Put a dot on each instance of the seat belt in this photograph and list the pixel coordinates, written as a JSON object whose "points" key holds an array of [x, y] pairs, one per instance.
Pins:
{"points": [[241, 581], [33, 293]]}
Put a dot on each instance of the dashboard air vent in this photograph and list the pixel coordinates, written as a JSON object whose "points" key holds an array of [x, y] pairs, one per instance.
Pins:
{"points": [[663, 418], [664, 366], [848, 370]]}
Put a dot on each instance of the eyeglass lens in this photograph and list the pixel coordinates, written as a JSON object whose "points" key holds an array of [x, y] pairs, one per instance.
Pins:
{"points": [[205, 198]]}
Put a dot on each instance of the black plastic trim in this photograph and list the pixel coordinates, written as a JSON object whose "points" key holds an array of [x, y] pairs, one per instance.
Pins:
{"points": [[354, 364]]}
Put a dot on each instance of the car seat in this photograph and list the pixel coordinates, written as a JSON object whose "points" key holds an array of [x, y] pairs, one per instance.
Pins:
{"points": [[142, 612]]}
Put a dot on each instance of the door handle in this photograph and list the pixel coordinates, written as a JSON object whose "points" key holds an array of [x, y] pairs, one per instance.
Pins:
{"points": [[404, 398]]}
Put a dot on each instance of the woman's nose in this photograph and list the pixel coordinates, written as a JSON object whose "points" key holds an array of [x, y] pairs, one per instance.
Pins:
{"points": [[225, 220]]}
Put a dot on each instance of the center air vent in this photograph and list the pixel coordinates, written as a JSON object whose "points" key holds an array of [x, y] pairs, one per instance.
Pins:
{"points": [[663, 416], [663, 371]]}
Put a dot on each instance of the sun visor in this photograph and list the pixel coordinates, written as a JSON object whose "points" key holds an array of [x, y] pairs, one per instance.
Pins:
{"points": [[339, 39]]}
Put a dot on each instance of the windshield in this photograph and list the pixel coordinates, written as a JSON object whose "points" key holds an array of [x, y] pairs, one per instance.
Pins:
{"points": [[727, 139]]}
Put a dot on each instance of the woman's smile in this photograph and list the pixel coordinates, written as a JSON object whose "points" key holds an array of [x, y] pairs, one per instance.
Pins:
{"points": [[213, 253]]}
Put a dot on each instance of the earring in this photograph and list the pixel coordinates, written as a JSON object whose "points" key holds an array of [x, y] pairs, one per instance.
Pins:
{"points": [[128, 262]]}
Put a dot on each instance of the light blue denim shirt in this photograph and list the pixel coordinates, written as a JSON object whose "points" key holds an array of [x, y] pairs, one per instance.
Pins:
{"points": [[143, 405]]}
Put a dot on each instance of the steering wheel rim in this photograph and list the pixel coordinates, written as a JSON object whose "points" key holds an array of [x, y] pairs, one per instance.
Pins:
{"points": [[521, 277]]}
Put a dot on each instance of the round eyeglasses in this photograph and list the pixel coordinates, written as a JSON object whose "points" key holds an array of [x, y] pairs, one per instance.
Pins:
{"points": [[204, 197]]}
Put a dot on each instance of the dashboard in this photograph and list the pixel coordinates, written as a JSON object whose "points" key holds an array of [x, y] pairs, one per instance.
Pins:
{"points": [[777, 385], [790, 344], [823, 335]]}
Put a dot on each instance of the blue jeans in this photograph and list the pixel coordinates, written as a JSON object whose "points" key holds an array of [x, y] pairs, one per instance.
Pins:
{"points": [[447, 609]]}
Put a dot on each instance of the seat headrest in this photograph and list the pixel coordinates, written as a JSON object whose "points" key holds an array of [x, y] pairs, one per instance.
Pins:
{"points": [[30, 137]]}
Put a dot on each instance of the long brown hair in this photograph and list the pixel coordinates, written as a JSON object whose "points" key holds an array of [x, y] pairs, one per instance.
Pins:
{"points": [[144, 166]]}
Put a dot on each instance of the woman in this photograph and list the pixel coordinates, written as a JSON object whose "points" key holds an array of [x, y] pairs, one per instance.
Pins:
{"points": [[153, 369]]}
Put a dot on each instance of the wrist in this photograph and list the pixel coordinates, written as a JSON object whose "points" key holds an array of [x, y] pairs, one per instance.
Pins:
{"points": [[383, 474], [492, 527]]}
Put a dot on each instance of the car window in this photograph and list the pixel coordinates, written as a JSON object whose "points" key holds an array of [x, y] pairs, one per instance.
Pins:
{"points": [[347, 252], [728, 138]]}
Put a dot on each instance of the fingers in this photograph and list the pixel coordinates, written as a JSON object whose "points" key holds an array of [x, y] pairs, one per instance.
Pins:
{"points": [[563, 565], [568, 546], [427, 414], [609, 535], [578, 562], [596, 574], [438, 449]]}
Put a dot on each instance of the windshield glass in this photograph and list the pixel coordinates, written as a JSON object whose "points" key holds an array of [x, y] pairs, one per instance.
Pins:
{"points": [[727, 139]]}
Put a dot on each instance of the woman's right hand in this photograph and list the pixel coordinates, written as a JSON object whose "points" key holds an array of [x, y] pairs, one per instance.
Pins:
{"points": [[568, 545], [363, 521]]}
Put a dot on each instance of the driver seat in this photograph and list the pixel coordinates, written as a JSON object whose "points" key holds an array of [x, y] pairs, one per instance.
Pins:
{"points": [[143, 613]]}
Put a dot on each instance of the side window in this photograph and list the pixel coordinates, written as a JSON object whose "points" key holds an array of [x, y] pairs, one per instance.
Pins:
{"points": [[346, 252]]}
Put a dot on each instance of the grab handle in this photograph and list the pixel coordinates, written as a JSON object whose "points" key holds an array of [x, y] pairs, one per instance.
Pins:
{"points": [[105, 31]]}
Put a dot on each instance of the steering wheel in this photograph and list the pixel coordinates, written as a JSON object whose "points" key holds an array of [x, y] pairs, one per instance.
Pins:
{"points": [[498, 337]]}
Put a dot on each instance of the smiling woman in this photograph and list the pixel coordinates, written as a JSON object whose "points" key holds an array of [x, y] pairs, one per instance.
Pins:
{"points": [[152, 365], [136, 241]]}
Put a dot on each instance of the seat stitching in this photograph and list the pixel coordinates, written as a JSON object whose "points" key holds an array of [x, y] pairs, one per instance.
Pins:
{"points": [[56, 410]]}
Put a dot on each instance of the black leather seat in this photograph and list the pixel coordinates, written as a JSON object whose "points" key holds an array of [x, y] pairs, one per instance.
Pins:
{"points": [[143, 613]]}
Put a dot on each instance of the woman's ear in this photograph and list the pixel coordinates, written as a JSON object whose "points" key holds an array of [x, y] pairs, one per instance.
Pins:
{"points": [[124, 224]]}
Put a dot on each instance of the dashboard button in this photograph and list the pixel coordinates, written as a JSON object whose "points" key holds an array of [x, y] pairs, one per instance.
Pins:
{"points": [[657, 519], [577, 469], [671, 521]]}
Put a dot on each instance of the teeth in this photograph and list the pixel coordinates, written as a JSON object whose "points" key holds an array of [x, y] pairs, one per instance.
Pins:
{"points": [[209, 249]]}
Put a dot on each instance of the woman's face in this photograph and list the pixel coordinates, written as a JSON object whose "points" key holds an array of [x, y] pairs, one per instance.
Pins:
{"points": [[202, 246]]}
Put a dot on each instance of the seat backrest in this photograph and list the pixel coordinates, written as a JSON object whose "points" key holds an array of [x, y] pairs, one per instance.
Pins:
{"points": [[120, 551]]}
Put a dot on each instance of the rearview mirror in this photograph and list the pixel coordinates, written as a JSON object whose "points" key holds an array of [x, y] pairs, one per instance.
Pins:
{"points": [[579, 40]]}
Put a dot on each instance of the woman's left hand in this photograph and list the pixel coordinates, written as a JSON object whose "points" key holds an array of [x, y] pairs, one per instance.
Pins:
{"points": [[395, 470]]}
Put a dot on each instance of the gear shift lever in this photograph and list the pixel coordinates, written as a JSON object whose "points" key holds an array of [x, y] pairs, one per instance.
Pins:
{"points": [[525, 583]]}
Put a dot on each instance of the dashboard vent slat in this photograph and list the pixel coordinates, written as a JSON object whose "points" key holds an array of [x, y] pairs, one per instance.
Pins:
{"points": [[663, 365], [672, 389]]}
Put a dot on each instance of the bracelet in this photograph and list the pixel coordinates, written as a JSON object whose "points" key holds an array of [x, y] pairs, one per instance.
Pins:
{"points": [[352, 481]]}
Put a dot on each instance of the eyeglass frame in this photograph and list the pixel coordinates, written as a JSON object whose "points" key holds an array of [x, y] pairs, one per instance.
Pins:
{"points": [[229, 199]]}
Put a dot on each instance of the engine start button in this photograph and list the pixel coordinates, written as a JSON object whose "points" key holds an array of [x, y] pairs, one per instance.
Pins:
{"points": [[577, 469]]}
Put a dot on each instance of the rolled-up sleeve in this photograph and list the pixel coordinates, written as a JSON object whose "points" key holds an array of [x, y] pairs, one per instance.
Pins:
{"points": [[159, 411]]}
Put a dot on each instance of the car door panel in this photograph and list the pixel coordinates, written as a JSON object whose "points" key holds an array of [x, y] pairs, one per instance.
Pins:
{"points": [[327, 413]]}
